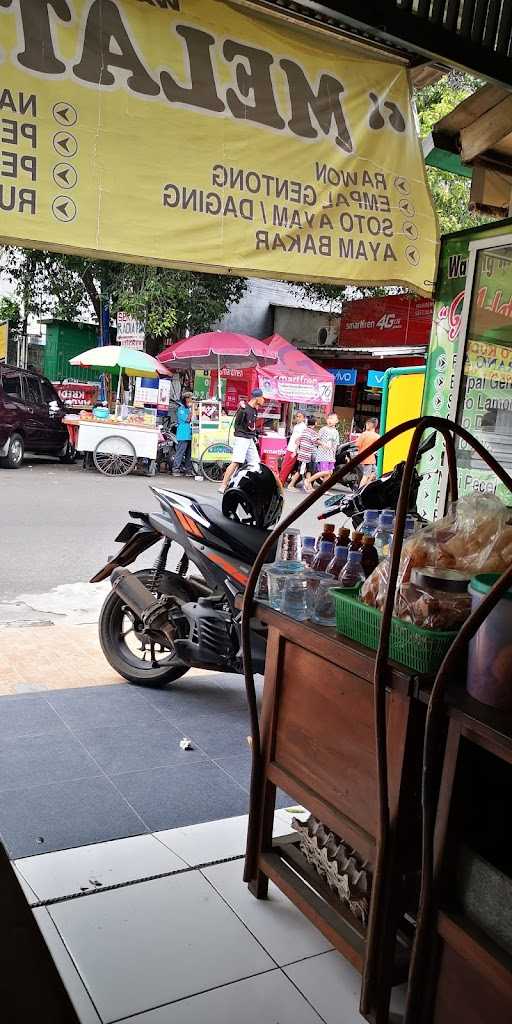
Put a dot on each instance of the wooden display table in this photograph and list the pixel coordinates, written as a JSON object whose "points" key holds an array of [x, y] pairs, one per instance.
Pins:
{"points": [[318, 745]]}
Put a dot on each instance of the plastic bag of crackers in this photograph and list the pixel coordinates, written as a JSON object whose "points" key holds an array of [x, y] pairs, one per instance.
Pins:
{"points": [[438, 561]]}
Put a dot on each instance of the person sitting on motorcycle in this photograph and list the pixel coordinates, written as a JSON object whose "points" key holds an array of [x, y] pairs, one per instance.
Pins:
{"points": [[245, 451], [364, 440], [306, 455], [184, 438]]}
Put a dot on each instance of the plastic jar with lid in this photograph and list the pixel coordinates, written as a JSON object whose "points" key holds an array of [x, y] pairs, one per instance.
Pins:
{"points": [[434, 598], [489, 678]]}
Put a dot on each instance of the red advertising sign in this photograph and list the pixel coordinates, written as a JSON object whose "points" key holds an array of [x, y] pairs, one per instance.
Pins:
{"points": [[78, 394], [391, 320]]}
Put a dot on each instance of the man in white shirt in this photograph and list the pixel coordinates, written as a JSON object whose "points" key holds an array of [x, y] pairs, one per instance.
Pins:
{"points": [[290, 459]]}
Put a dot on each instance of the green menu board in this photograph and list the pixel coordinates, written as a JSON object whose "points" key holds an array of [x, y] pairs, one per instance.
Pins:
{"points": [[439, 398]]}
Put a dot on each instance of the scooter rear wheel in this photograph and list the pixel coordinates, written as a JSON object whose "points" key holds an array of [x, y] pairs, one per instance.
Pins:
{"points": [[130, 657]]}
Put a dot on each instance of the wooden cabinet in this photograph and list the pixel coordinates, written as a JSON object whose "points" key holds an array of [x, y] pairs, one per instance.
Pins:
{"points": [[471, 963], [317, 728]]}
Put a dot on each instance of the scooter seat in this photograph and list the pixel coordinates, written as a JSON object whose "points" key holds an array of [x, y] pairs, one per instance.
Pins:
{"points": [[247, 539]]}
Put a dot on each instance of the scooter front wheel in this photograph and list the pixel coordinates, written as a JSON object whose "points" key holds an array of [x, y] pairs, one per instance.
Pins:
{"points": [[136, 657]]}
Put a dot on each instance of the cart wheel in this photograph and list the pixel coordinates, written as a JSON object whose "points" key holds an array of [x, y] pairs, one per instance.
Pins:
{"points": [[114, 456], [212, 467]]}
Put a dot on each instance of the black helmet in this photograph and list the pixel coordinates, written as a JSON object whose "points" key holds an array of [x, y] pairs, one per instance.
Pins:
{"points": [[254, 498]]}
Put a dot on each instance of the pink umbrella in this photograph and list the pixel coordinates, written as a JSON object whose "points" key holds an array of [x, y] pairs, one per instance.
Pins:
{"points": [[216, 350]]}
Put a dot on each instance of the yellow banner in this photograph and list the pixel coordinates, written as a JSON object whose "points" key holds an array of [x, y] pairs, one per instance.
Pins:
{"points": [[200, 134], [4, 336]]}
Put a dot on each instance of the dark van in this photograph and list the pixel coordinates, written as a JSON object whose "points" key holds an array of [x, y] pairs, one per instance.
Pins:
{"points": [[31, 415]]}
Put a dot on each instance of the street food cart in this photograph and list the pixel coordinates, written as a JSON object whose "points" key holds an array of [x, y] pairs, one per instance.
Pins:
{"points": [[115, 443], [116, 439]]}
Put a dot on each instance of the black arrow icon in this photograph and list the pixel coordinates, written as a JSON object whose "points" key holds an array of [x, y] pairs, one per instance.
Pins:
{"points": [[65, 113], [406, 207], [64, 209], [412, 255], [401, 185], [64, 142], [410, 229], [65, 175], [441, 363]]}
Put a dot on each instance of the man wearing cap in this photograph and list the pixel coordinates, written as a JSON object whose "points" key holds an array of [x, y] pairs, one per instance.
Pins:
{"points": [[245, 451]]}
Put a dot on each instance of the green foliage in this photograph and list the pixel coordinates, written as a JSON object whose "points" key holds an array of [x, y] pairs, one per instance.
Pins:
{"points": [[10, 310], [173, 302], [450, 193], [169, 301]]}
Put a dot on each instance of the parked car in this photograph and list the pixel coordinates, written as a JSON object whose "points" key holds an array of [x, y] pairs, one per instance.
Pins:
{"points": [[31, 415]]}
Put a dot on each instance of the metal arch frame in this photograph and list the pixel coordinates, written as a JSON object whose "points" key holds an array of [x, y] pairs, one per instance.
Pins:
{"points": [[380, 889]]}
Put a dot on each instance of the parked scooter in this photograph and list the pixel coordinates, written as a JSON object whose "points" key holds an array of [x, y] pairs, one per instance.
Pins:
{"points": [[156, 624]]}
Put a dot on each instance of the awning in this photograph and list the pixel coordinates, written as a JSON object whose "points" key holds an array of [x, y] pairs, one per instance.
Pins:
{"points": [[475, 140], [295, 377]]}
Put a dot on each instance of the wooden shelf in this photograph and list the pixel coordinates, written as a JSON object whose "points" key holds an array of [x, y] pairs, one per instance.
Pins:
{"points": [[473, 944], [318, 745]]}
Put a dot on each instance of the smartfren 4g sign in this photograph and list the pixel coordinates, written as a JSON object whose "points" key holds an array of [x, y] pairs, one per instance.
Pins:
{"points": [[200, 134]]}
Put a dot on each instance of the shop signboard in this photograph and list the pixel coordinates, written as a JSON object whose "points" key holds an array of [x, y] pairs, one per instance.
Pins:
{"points": [[164, 394], [4, 335], [488, 365], [388, 320], [296, 387], [201, 384], [146, 391], [78, 394], [376, 378], [343, 378], [130, 332], [212, 136]]}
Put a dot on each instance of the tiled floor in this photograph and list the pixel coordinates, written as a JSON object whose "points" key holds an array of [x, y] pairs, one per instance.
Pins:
{"points": [[100, 763], [189, 947]]}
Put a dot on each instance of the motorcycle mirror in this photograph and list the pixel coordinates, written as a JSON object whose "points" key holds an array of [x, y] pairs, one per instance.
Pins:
{"points": [[333, 500]]}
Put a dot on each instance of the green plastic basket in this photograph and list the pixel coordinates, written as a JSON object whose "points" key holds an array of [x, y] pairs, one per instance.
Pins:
{"points": [[421, 650]]}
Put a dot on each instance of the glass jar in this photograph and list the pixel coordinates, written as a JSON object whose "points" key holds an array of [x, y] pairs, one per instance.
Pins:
{"points": [[295, 597], [277, 575], [324, 608], [289, 548]]}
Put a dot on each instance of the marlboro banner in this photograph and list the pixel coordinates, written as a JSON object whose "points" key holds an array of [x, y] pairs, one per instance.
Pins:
{"points": [[204, 135]]}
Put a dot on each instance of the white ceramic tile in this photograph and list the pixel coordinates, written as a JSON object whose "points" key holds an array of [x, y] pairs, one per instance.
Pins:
{"points": [[287, 814], [268, 999], [331, 985], [29, 893], [148, 944], [282, 930], [213, 840], [81, 869], [66, 968]]}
